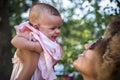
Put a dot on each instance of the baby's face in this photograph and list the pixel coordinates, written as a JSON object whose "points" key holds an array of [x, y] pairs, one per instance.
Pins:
{"points": [[50, 26]]}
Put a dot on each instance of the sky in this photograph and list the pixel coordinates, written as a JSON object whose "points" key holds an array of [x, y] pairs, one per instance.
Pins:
{"points": [[68, 4]]}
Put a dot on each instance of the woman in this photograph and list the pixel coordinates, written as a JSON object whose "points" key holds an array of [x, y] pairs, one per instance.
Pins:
{"points": [[101, 60]]}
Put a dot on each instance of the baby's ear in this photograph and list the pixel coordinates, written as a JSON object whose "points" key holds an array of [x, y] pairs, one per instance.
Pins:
{"points": [[36, 27]]}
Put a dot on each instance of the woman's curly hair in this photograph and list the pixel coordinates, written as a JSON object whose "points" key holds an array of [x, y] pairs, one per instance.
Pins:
{"points": [[109, 53]]}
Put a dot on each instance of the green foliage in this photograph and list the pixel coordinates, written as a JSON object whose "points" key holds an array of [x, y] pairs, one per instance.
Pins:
{"points": [[77, 32], [74, 32], [17, 7]]}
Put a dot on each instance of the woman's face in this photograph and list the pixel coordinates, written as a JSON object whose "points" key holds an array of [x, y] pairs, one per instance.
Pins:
{"points": [[86, 61]]}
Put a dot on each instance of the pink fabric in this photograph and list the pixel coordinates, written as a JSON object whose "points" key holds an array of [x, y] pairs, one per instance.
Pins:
{"points": [[52, 52], [16, 68]]}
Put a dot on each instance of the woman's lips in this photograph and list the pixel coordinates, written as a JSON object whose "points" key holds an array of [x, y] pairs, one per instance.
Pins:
{"points": [[81, 55]]}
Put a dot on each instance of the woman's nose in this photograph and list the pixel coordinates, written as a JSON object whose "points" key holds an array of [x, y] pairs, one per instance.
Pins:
{"points": [[87, 46]]}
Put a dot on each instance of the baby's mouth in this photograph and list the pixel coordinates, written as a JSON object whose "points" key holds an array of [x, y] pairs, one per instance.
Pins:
{"points": [[54, 38]]}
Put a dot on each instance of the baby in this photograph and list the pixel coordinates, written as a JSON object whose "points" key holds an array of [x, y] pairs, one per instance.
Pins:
{"points": [[37, 47]]}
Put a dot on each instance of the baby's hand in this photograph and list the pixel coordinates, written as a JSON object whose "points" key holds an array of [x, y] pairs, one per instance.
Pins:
{"points": [[33, 39]]}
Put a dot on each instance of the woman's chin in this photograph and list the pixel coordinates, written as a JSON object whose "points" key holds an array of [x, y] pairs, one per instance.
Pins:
{"points": [[75, 64]]}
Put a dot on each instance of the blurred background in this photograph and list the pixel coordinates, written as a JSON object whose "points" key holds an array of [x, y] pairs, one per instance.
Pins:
{"points": [[83, 22]]}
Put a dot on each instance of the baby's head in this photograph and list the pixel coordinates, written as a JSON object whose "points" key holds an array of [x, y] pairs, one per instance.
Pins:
{"points": [[46, 18], [39, 11]]}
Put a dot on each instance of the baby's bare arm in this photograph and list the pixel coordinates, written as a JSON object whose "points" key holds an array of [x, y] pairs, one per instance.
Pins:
{"points": [[29, 64], [21, 41]]}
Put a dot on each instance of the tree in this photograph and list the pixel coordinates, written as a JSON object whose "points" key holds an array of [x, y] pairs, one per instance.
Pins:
{"points": [[74, 32], [5, 46], [77, 32]]}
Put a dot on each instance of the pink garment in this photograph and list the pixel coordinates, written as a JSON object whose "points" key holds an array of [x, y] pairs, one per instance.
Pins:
{"points": [[16, 68], [51, 54]]}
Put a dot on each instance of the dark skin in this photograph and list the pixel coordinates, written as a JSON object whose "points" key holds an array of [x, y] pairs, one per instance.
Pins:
{"points": [[29, 64], [28, 53]]}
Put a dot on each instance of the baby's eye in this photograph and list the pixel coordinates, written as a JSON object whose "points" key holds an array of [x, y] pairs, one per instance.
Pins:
{"points": [[59, 27], [52, 28]]}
